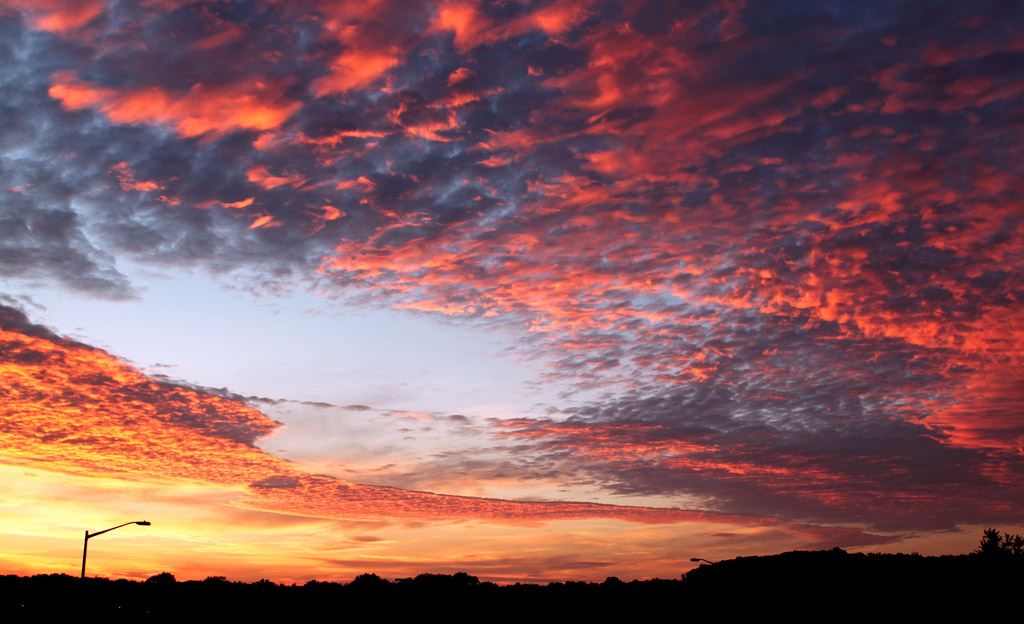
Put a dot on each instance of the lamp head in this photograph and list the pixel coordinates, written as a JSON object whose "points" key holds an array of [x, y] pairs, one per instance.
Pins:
{"points": [[143, 523]]}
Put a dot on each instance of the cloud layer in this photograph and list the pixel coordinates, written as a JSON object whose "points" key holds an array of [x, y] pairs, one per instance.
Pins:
{"points": [[784, 238], [74, 409]]}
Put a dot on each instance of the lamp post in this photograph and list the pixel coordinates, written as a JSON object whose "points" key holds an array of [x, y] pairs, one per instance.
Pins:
{"points": [[698, 560], [85, 548]]}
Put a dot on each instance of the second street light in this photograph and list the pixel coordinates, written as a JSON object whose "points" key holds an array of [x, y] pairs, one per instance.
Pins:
{"points": [[85, 548]]}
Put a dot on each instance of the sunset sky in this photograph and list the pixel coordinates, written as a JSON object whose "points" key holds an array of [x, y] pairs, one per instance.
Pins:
{"points": [[530, 289]]}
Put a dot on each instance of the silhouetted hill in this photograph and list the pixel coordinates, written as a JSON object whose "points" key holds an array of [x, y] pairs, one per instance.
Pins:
{"points": [[859, 582], [821, 584]]}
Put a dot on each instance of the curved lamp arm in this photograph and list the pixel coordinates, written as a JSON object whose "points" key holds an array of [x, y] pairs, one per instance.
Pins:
{"points": [[140, 522], [85, 548]]}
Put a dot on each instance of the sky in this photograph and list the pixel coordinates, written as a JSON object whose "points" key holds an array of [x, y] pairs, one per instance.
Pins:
{"points": [[535, 289]]}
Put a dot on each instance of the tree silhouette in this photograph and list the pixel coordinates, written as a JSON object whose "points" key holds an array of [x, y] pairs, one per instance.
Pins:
{"points": [[994, 544], [162, 578], [990, 542], [1014, 544], [368, 581]]}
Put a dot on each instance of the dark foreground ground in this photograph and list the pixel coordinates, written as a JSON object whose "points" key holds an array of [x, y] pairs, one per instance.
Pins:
{"points": [[830, 584]]}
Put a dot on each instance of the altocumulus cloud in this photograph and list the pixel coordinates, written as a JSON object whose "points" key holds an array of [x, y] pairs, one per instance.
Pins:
{"points": [[73, 409], [785, 237]]}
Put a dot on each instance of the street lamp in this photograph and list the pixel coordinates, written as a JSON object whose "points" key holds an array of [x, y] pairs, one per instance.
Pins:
{"points": [[85, 549], [698, 560]]}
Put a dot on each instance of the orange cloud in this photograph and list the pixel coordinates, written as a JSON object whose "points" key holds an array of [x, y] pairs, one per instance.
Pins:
{"points": [[126, 179], [262, 177], [459, 75], [472, 28], [266, 221], [74, 409], [370, 51], [238, 205], [198, 111], [57, 15], [354, 69], [558, 17], [362, 183], [464, 19], [320, 219], [331, 213]]}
